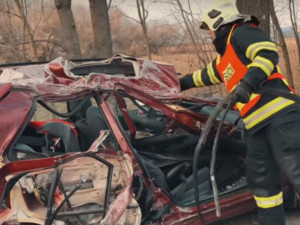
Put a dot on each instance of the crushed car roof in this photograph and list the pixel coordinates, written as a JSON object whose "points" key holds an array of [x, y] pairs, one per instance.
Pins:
{"points": [[63, 77]]}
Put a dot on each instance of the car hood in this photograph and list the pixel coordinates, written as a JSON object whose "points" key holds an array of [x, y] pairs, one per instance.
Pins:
{"points": [[59, 76]]}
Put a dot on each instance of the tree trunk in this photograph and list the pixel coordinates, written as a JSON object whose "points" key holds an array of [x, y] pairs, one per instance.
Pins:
{"points": [[101, 28], [285, 52], [27, 30], [143, 14], [69, 32], [259, 9], [293, 17]]}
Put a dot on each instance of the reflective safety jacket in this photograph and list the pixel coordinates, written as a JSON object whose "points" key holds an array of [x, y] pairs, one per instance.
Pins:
{"points": [[251, 56]]}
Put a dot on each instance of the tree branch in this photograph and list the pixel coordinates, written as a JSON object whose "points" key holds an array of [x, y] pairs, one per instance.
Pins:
{"points": [[124, 14], [29, 42], [12, 13], [109, 4]]}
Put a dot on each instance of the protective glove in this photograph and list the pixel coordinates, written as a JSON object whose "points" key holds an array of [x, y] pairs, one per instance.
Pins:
{"points": [[242, 92], [186, 82]]}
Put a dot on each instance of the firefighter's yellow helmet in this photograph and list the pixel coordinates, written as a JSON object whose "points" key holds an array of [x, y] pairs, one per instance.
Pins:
{"points": [[220, 13]]}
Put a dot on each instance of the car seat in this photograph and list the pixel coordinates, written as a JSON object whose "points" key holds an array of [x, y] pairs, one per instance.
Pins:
{"points": [[90, 127], [80, 114], [65, 132], [184, 191]]}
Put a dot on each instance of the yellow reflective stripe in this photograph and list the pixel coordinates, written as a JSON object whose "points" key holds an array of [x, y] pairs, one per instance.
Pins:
{"points": [[278, 69], [285, 82], [230, 33], [283, 79], [266, 111], [266, 65], [240, 105], [233, 88], [259, 65], [269, 202], [218, 60], [253, 96], [211, 74], [197, 78], [256, 47]]}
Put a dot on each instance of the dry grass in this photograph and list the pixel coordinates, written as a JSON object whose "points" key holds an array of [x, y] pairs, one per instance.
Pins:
{"points": [[187, 63]]}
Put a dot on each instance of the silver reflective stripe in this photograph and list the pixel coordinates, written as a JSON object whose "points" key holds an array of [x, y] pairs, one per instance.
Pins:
{"points": [[266, 111], [253, 51], [197, 78], [257, 60], [269, 203], [211, 74]]}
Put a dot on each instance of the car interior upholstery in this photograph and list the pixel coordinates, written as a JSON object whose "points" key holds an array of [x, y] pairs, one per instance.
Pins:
{"points": [[58, 136], [166, 154]]}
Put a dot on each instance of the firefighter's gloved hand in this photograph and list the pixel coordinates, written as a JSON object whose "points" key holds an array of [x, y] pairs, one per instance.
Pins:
{"points": [[186, 82], [242, 92]]}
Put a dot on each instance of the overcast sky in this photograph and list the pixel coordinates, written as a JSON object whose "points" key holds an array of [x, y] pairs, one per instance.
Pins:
{"points": [[161, 10], [158, 9]]}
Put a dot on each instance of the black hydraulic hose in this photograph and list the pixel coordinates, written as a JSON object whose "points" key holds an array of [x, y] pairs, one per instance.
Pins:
{"points": [[213, 162], [141, 188], [201, 144]]}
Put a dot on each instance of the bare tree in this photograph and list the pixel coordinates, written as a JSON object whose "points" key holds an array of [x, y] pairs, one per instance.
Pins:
{"points": [[293, 17], [258, 8], [27, 31], [198, 43], [143, 15], [283, 46], [8, 36], [101, 28], [70, 35], [25, 41], [194, 42], [190, 29], [163, 36]]}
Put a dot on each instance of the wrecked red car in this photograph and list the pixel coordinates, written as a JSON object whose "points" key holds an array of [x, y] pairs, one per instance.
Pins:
{"points": [[112, 142]]}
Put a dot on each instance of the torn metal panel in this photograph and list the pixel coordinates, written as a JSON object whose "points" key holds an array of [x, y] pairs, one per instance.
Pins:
{"points": [[57, 78]]}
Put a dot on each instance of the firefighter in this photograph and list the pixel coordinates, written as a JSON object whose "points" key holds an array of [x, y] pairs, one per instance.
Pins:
{"points": [[247, 61]]}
